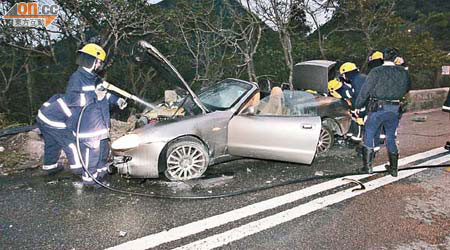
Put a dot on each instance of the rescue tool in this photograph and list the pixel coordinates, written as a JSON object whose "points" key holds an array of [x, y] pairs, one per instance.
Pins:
{"points": [[109, 86]]}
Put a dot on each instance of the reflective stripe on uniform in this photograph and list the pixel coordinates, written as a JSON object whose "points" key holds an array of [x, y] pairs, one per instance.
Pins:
{"points": [[82, 100], [75, 156], [87, 178], [103, 169], [64, 107], [94, 134], [49, 122], [108, 95], [75, 167], [86, 160], [49, 167], [88, 88], [348, 94], [46, 104]]}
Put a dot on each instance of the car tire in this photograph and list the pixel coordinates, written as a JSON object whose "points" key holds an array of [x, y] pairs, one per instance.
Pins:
{"points": [[186, 159], [326, 139]]}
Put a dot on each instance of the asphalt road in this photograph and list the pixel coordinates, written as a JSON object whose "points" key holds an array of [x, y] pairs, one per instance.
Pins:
{"points": [[409, 212]]}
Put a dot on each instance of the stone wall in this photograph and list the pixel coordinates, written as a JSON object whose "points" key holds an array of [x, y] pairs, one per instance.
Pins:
{"points": [[426, 99]]}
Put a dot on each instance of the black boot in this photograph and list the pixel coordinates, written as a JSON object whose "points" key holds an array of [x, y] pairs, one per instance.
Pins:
{"points": [[392, 168], [367, 155], [447, 145]]}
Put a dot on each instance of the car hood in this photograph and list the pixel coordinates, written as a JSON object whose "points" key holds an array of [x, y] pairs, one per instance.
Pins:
{"points": [[169, 72]]}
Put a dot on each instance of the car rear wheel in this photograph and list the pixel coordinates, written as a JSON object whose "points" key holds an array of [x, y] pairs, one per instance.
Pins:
{"points": [[186, 159], [326, 139]]}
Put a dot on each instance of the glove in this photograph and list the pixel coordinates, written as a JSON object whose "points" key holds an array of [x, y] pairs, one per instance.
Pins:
{"points": [[122, 103], [100, 92]]}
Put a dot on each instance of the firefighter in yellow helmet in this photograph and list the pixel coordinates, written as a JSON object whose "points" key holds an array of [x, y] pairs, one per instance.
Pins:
{"points": [[85, 90], [351, 75], [340, 90], [375, 59]]}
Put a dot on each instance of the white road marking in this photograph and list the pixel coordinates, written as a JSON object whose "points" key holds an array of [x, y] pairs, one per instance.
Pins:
{"points": [[195, 227], [296, 212]]}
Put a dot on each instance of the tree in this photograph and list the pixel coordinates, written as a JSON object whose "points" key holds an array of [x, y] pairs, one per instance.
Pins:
{"points": [[277, 14]]}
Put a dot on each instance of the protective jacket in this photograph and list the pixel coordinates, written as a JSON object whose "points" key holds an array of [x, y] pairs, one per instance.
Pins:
{"points": [[95, 123], [357, 80], [55, 112], [80, 92], [387, 82]]}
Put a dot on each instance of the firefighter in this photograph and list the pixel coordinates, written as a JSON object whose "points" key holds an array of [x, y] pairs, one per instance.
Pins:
{"points": [[446, 108], [94, 134], [83, 92], [385, 87], [351, 75], [51, 121], [341, 90], [399, 61], [375, 60]]}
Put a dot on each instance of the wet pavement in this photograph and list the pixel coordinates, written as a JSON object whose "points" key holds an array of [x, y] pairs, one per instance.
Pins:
{"points": [[40, 212]]}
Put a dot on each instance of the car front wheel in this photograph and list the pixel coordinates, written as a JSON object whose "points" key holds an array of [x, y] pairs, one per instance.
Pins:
{"points": [[186, 159]]}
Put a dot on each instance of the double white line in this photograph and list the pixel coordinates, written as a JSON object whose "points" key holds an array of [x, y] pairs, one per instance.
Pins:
{"points": [[276, 219]]}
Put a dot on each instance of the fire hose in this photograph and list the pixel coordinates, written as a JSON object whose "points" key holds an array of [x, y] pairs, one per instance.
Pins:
{"points": [[229, 194]]}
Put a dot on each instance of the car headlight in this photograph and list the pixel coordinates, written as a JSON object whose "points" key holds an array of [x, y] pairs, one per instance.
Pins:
{"points": [[126, 142]]}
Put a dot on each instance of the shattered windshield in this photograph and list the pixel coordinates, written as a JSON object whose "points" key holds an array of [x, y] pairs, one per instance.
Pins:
{"points": [[218, 97], [290, 103], [223, 95]]}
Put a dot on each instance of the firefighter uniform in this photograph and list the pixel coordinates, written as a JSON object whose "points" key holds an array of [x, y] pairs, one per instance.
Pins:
{"points": [[94, 137], [384, 88], [51, 120], [351, 75], [81, 92]]}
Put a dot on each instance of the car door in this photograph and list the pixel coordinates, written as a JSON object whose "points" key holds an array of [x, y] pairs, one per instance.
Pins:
{"points": [[283, 138]]}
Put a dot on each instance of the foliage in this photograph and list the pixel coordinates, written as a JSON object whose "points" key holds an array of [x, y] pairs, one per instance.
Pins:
{"points": [[214, 39]]}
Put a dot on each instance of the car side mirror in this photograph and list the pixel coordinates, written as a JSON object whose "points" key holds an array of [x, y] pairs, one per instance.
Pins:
{"points": [[249, 111]]}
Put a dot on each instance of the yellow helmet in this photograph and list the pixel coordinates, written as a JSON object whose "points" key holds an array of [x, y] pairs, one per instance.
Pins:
{"points": [[94, 50], [347, 67], [399, 61], [376, 55], [334, 85]]}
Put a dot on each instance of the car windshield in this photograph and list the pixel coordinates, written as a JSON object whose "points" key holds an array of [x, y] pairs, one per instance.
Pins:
{"points": [[223, 95], [290, 103], [220, 96]]}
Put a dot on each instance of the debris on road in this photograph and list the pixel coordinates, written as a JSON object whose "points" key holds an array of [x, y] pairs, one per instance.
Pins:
{"points": [[2, 149], [419, 119], [318, 173], [122, 233]]}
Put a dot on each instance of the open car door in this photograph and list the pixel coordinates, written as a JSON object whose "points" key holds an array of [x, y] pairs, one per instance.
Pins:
{"points": [[283, 138]]}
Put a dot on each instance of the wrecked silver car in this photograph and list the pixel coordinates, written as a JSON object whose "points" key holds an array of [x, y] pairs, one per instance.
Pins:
{"points": [[228, 119]]}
